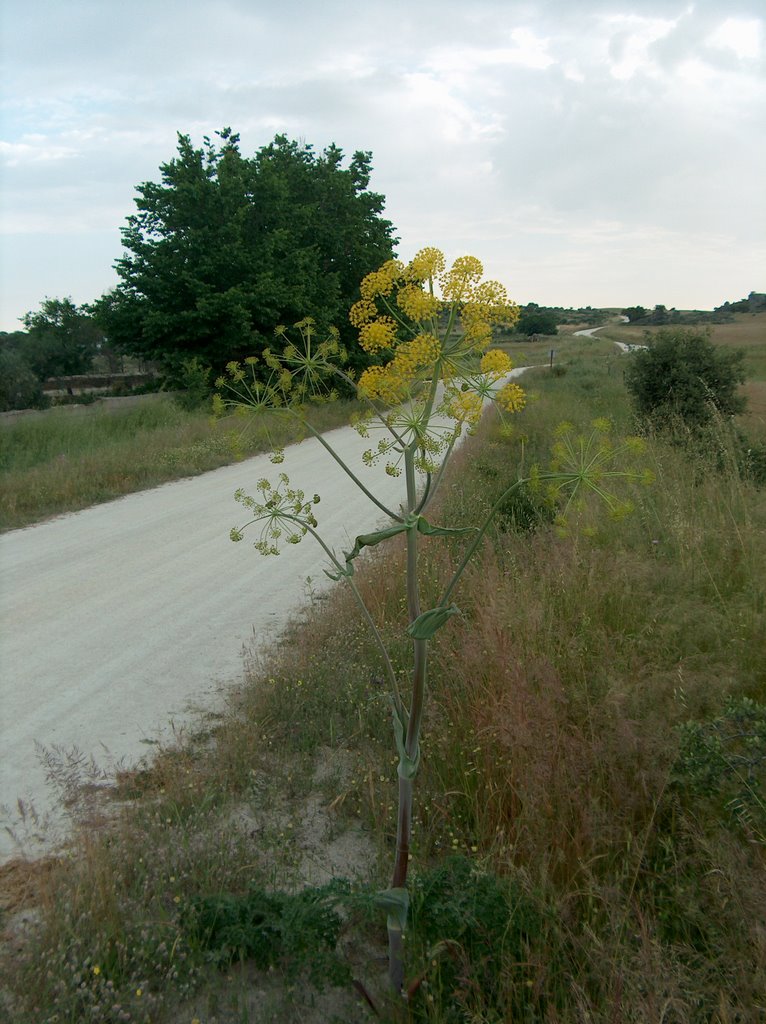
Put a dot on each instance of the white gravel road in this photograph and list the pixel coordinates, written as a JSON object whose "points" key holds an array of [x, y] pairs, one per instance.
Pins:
{"points": [[120, 620]]}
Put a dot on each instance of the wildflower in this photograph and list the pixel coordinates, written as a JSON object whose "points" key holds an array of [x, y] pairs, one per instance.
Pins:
{"points": [[427, 264], [362, 312], [381, 282], [457, 282], [282, 511], [496, 362], [590, 463], [511, 398], [378, 334], [417, 304]]}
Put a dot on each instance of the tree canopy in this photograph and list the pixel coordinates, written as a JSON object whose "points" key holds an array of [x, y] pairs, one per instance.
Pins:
{"points": [[534, 320], [62, 339], [225, 248]]}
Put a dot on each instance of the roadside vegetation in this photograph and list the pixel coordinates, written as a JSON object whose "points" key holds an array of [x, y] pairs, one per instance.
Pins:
{"points": [[589, 832], [63, 460]]}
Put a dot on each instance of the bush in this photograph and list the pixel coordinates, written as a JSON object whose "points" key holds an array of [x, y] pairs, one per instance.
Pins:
{"points": [[19, 387], [476, 931], [193, 378], [537, 322], [682, 376]]}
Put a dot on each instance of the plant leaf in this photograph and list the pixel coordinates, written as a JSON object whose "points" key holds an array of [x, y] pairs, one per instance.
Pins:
{"points": [[370, 540], [427, 623], [396, 903]]}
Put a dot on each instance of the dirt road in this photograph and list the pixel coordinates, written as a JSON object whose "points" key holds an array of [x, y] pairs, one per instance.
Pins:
{"points": [[118, 621]]}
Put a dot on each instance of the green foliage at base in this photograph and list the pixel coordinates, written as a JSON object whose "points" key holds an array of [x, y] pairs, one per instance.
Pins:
{"points": [[292, 931], [722, 761], [19, 387], [472, 927]]}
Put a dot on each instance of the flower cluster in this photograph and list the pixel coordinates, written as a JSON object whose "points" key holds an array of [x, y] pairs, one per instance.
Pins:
{"points": [[591, 464], [283, 512], [429, 324], [279, 380]]}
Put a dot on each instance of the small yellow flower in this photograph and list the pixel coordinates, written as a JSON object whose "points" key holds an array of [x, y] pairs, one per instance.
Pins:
{"points": [[496, 361], [428, 263], [381, 282], [362, 312], [379, 334], [416, 303], [464, 273], [96, 970], [511, 397]]}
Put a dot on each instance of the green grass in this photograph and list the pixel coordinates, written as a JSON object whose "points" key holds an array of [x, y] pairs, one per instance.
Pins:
{"points": [[61, 461], [572, 857]]}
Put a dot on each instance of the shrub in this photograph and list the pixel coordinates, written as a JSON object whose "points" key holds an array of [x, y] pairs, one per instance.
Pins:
{"points": [[681, 375], [193, 379], [474, 928], [19, 388]]}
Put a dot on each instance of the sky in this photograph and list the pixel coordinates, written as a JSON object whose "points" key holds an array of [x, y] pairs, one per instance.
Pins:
{"points": [[589, 152]]}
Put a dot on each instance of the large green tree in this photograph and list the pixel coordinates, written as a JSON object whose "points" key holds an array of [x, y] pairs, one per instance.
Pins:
{"points": [[225, 248], [61, 339], [534, 320]]}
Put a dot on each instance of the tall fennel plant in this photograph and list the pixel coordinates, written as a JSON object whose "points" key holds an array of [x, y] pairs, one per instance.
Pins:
{"points": [[428, 329]]}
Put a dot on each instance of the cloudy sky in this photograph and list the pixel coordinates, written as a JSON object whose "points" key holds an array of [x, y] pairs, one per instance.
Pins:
{"points": [[602, 152]]}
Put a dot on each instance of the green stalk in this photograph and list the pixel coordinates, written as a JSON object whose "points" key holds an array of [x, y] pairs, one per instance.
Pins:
{"points": [[408, 762], [368, 619], [315, 433]]}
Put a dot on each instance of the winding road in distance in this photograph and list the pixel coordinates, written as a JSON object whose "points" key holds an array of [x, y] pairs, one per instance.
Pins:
{"points": [[122, 622]]}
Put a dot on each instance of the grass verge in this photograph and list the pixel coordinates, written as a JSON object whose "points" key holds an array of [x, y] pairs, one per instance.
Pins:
{"points": [[60, 462]]}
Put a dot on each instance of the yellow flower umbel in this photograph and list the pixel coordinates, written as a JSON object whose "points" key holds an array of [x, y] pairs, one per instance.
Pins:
{"points": [[591, 464], [429, 327]]}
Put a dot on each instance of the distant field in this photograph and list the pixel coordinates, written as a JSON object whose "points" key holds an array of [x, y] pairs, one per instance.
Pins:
{"points": [[747, 331]]}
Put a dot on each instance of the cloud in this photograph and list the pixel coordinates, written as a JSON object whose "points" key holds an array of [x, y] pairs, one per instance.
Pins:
{"points": [[493, 123]]}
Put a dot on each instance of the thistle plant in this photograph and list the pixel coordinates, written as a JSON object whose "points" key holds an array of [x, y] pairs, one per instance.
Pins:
{"points": [[427, 329]]}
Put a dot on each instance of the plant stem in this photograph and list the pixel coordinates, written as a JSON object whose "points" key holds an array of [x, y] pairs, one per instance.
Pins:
{"points": [[315, 433], [477, 540], [370, 622], [408, 763]]}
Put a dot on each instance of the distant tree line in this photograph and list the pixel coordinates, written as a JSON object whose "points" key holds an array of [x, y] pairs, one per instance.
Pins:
{"points": [[661, 316], [754, 303], [60, 340], [536, 320]]}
